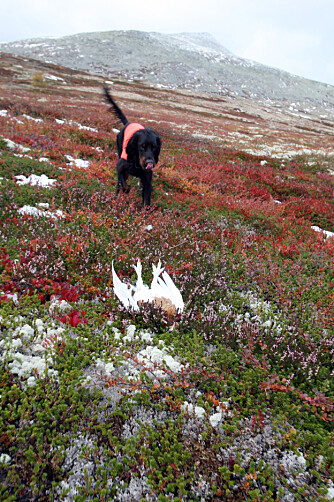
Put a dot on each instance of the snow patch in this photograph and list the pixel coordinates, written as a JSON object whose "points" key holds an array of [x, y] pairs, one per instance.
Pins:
{"points": [[84, 164], [34, 211], [28, 117], [35, 180], [326, 233], [12, 146], [54, 78]]}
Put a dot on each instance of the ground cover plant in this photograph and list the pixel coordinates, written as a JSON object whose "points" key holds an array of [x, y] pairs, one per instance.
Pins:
{"points": [[235, 402]]}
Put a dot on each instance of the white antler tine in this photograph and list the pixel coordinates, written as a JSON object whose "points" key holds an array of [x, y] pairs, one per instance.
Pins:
{"points": [[123, 292], [138, 270]]}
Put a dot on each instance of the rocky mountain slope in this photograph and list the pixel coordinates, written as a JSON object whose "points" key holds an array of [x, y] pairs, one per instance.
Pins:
{"points": [[189, 61], [266, 127]]}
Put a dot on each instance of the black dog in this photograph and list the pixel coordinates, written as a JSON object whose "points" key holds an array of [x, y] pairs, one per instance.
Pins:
{"points": [[138, 150]]}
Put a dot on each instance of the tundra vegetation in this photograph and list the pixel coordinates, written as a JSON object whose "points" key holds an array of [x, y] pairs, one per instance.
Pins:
{"points": [[235, 400]]}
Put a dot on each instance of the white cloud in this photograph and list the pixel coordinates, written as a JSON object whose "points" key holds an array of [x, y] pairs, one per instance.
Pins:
{"points": [[291, 51], [295, 35]]}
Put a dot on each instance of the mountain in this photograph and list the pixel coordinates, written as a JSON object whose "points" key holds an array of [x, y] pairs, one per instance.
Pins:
{"points": [[186, 60]]}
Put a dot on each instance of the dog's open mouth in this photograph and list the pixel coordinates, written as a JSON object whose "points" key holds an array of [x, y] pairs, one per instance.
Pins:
{"points": [[149, 166]]}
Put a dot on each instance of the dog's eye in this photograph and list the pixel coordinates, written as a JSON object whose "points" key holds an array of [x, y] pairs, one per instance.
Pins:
{"points": [[143, 146]]}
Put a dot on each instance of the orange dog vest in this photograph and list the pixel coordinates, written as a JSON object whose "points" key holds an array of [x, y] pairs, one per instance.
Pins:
{"points": [[128, 133]]}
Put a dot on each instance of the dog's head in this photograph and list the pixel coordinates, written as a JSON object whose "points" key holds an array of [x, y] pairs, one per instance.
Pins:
{"points": [[144, 148]]}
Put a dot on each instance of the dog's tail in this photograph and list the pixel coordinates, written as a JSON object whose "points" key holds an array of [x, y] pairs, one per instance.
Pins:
{"points": [[114, 107]]}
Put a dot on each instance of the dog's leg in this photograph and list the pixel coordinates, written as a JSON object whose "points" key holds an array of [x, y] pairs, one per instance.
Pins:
{"points": [[122, 176], [121, 183], [125, 186], [147, 188], [118, 187]]}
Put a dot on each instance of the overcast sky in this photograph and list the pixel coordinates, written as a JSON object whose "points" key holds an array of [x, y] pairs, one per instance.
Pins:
{"points": [[294, 35]]}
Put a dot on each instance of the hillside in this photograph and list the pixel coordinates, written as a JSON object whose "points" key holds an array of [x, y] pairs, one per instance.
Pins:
{"points": [[189, 61], [233, 399]]}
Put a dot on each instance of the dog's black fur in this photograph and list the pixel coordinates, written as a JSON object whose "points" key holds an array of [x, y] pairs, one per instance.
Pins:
{"points": [[143, 151]]}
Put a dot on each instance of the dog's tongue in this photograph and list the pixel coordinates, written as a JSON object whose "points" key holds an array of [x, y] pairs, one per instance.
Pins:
{"points": [[149, 166]]}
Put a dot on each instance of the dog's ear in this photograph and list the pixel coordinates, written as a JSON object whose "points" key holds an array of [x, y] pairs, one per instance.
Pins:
{"points": [[157, 151], [132, 149]]}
